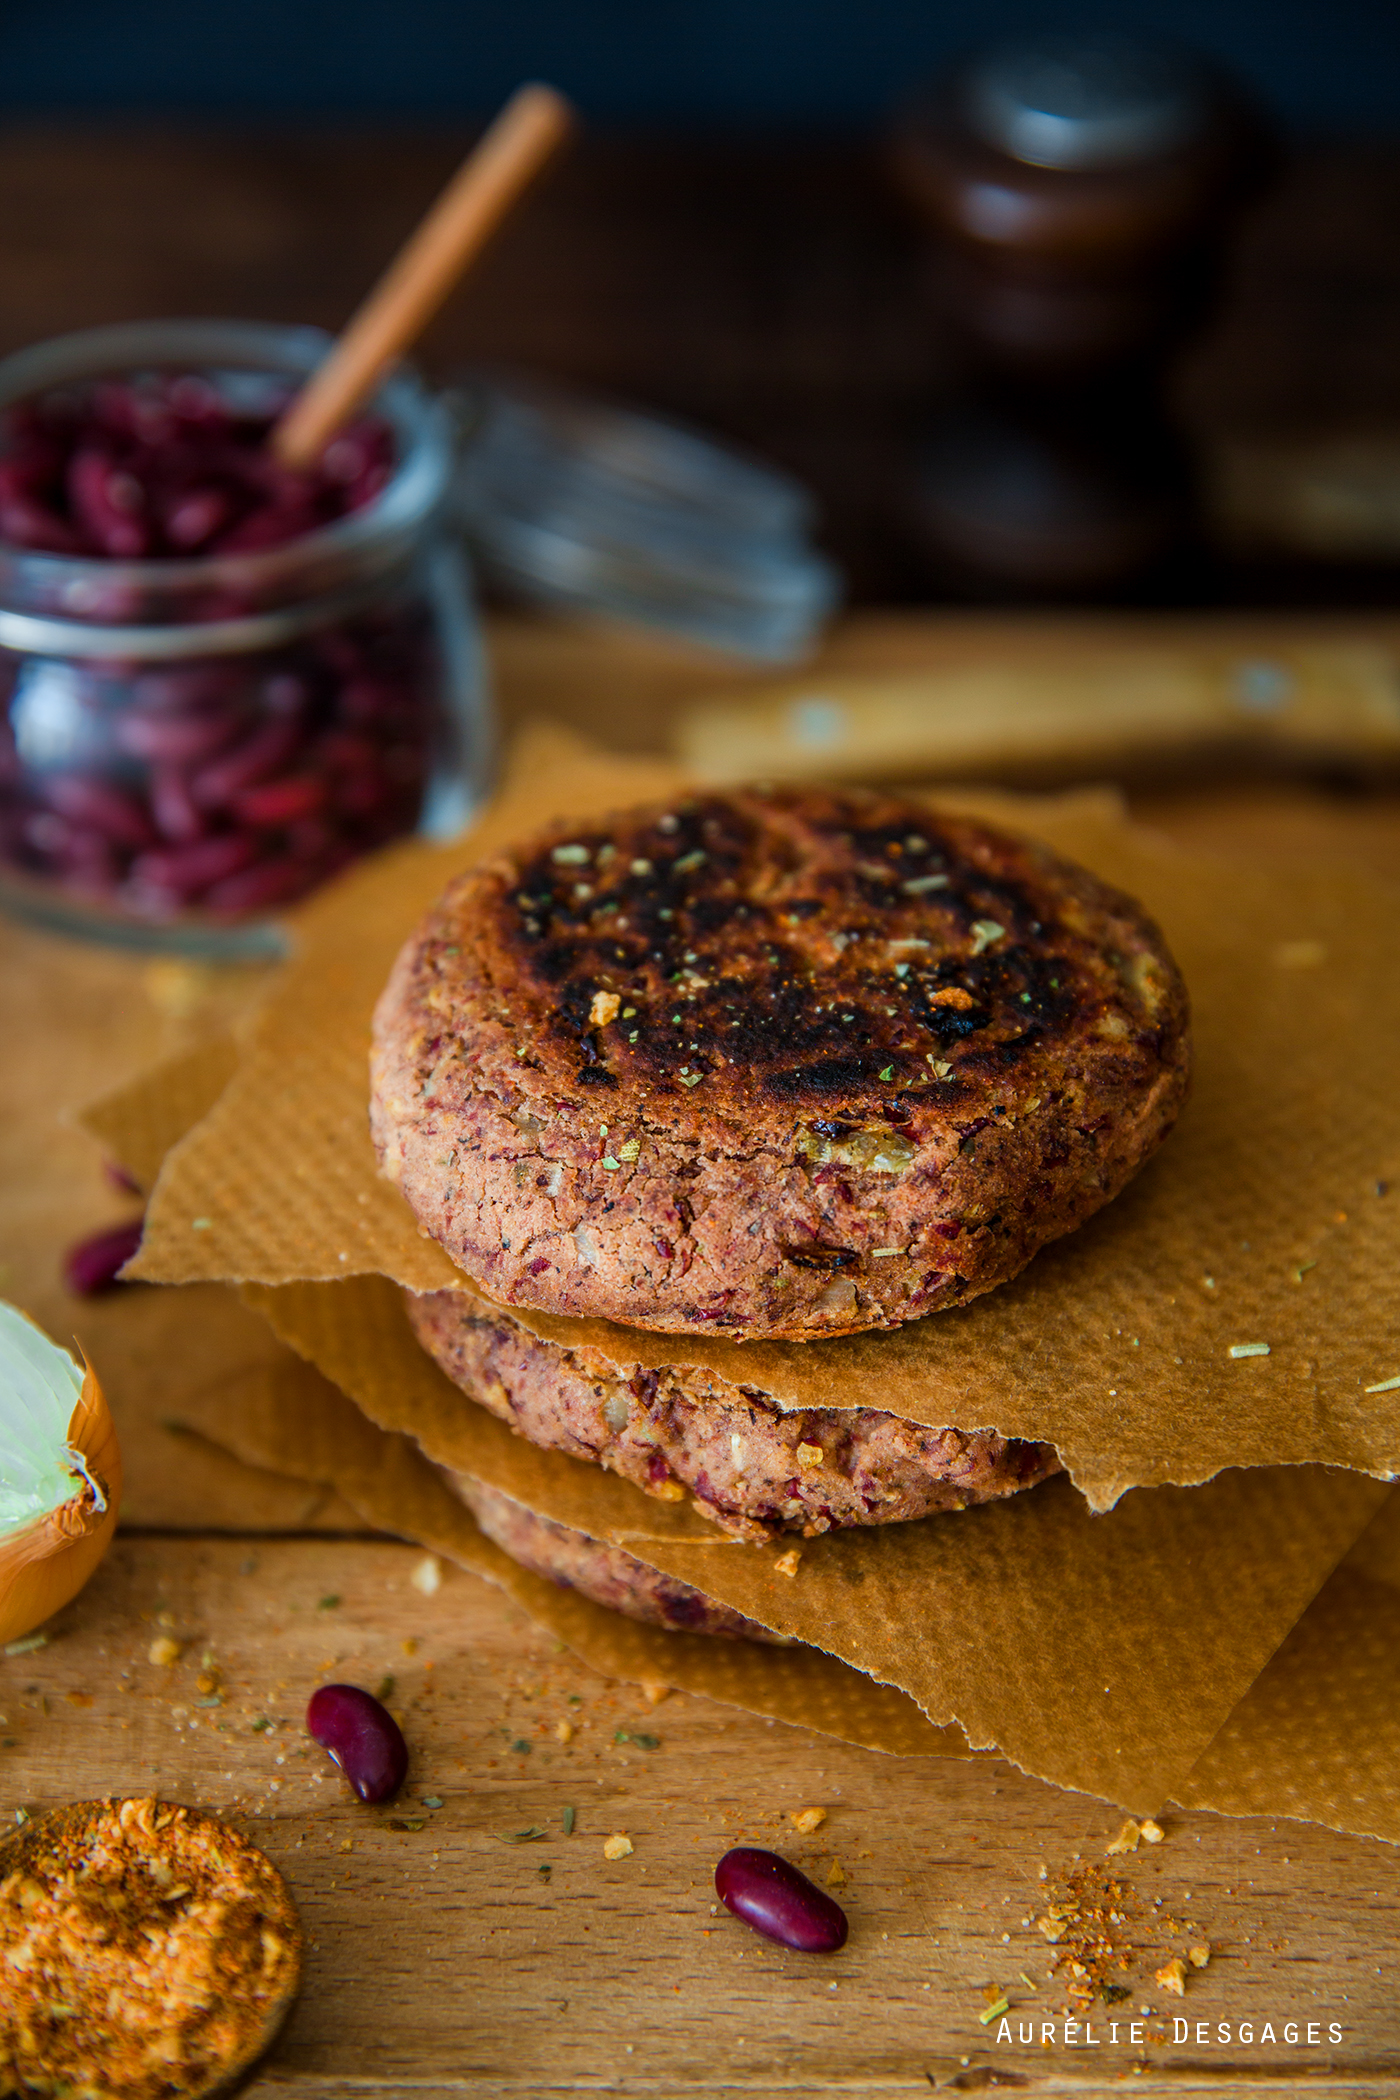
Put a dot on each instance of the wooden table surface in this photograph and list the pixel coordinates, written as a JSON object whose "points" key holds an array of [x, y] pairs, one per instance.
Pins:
{"points": [[774, 293], [445, 1959]]}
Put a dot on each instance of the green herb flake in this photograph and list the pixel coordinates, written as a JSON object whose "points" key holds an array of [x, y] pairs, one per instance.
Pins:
{"points": [[521, 1746], [544, 1868], [28, 1645], [648, 1742], [261, 1725], [331, 1603], [568, 1822], [432, 1801], [994, 2012], [622, 1735], [385, 1688], [526, 1836], [888, 1072], [407, 1822]]}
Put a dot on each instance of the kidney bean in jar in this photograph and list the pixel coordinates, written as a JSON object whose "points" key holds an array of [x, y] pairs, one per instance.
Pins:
{"points": [[220, 681]]}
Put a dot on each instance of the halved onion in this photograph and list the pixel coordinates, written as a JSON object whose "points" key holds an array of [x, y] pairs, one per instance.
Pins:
{"points": [[60, 1475]]}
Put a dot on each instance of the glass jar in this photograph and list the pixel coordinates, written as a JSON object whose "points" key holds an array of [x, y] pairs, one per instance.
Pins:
{"points": [[188, 745]]}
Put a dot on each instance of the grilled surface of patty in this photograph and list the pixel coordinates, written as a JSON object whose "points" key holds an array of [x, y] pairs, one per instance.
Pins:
{"points": [[789, 1063], [608, 1574], [753, 1468]]}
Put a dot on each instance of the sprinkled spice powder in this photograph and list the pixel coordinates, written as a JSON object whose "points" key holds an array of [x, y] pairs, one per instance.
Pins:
{"points": [[146, 1952]]}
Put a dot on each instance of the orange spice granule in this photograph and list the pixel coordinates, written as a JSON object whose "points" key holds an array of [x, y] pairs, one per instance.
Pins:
{"points": [[145, 1951]]}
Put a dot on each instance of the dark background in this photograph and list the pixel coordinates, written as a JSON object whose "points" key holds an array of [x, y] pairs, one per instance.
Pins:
{"points": [[725, 240], [1323, 67]]}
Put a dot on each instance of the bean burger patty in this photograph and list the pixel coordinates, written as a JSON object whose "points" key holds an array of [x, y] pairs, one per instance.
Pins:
{"points": [[790, 1063], [607, 1574], [681, 1431]]}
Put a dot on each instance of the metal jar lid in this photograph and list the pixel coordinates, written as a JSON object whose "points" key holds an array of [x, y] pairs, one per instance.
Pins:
{"points": [[572, 503], [1085, 102]]}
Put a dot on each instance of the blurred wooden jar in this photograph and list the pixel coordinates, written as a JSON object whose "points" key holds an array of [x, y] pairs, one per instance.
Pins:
{"points": [[1080, 192]]}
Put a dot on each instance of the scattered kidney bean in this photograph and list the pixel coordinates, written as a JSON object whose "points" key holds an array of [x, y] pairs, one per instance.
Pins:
{"points": [[93, 1264], [772, 1896], [362, 1736]]}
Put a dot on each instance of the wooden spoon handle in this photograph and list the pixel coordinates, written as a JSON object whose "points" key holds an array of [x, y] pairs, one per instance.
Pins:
{"points": [[493, 175]]}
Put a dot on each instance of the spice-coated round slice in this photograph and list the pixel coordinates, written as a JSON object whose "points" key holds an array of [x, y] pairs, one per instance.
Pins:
{"points": [[147, 1952]]}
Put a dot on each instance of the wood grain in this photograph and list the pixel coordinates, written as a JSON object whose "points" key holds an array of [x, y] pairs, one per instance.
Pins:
{"points": [[444, 1960]]}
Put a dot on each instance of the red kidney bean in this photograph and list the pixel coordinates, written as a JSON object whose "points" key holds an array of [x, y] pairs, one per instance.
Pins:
{"points": [[26, 522], [89, 865], [362, 1736], [109, 502], [258, 758], [192, 519], [360, 793], [189, 869], [285, 694], [93, 1265], [770, 1894], [166, 467], [173, 739], [259, 888], [174, 808], [346, 750], [281, 802], [182, 689], [225, 786], [116, 814]]}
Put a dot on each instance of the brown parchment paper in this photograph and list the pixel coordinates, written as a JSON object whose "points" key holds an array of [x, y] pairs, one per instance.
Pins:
{"points": [[1102, 1653], [1316, 1737], [1093, 1652], [1261, 1220], [297, 1423]]}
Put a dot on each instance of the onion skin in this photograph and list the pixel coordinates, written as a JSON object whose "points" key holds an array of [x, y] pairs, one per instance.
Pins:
{"points": [[46, 1564]]}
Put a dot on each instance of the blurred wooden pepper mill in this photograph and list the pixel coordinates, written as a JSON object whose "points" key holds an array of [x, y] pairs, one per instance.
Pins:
{"points": [[1080, 191]]}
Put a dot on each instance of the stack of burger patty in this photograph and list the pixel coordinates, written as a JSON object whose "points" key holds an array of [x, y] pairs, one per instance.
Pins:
{"points": [[761, 1064]]}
